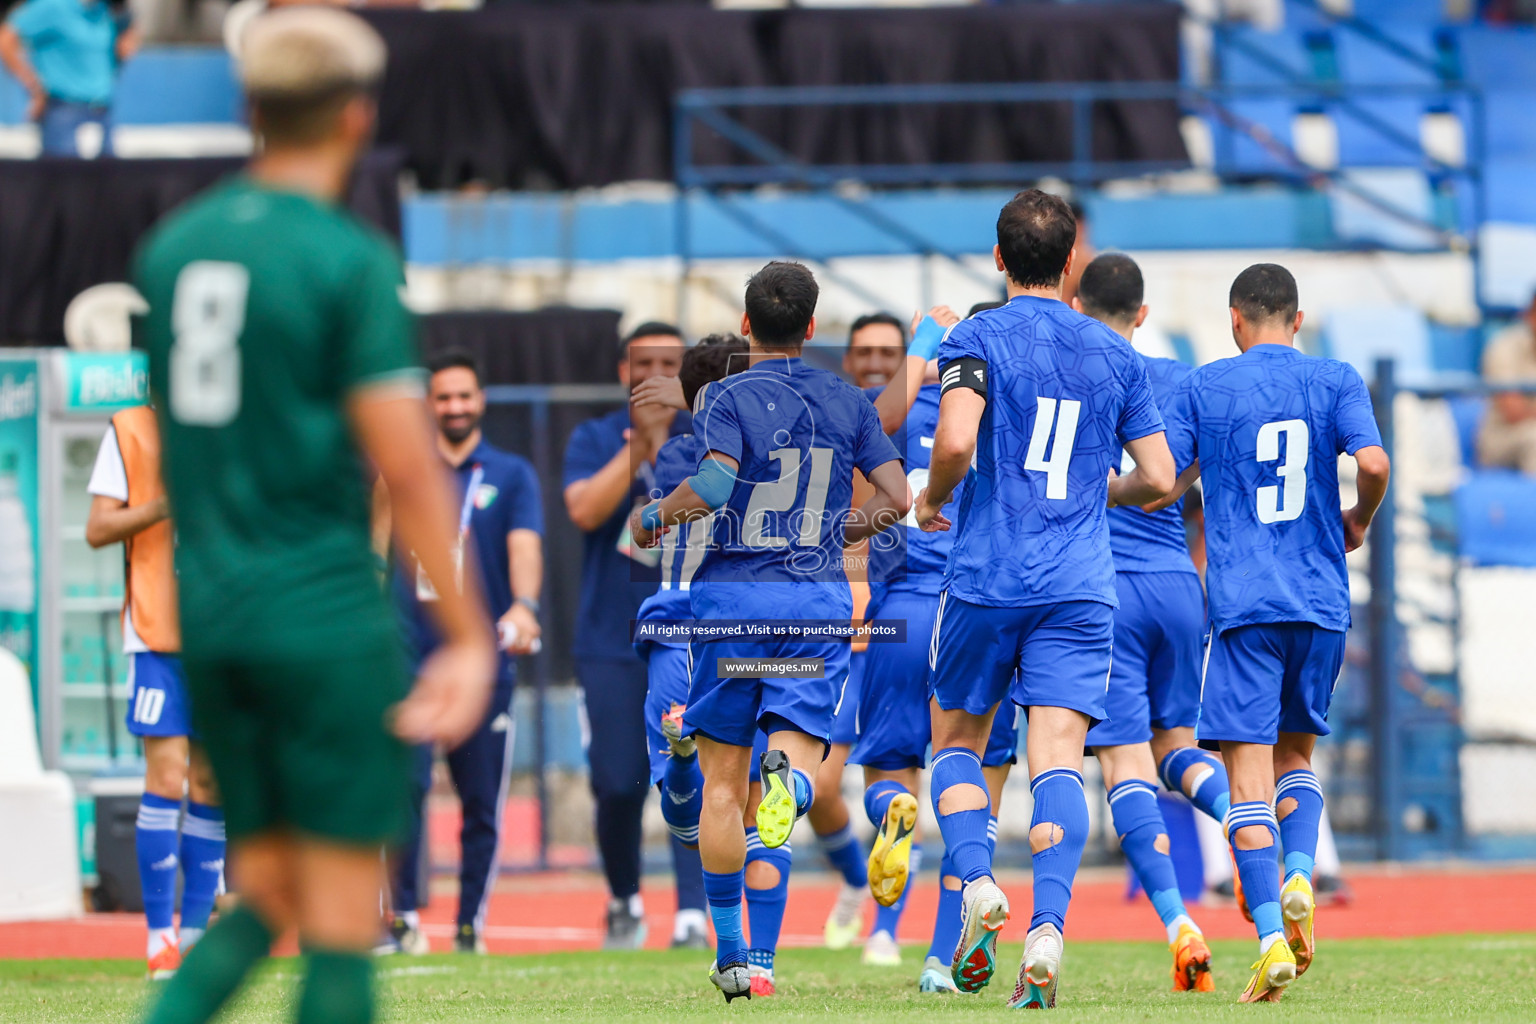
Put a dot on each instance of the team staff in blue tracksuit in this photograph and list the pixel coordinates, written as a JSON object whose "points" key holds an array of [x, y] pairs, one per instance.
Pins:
{"points": [[501, 522], [609, 468]]}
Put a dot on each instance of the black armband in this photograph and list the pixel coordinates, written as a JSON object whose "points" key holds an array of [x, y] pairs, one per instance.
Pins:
{"points": [[964, 372]]}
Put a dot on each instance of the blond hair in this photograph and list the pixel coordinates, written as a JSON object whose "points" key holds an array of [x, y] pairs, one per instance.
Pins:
{"points": [[301, 65]]}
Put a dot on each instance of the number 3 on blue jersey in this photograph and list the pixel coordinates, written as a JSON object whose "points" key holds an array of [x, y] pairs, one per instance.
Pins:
{"points": [[1063, 416], [1275, 505]]}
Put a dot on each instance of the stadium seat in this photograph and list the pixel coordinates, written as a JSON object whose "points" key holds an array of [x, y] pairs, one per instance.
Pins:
{"points": [[1249, 56], [1508, 271], [1238, 153], [1360, 335], [1467, 412], [1364, 61], [39, 851], [1496, 517], [1358, 221], [1498, 58], [1455, 349], [1364, 143], [1511, 195], [1509, 127], [1385, 12]]}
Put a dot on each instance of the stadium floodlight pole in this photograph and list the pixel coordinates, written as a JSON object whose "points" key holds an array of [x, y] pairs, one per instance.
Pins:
{"points": [[1386, 731]]}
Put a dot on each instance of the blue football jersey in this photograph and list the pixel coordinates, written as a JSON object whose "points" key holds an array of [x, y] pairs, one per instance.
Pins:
{"points": [[1268, 427], [798, 433], [1064, 395], [905, 557], [1154, 542], [683, 546]]}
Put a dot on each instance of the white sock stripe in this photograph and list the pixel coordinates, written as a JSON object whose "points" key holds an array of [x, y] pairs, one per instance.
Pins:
{"points": [[1297, 780], [158, 821], [204, 828], [1194, 787], [1134, 786], [1053, 773], [954, 752]]}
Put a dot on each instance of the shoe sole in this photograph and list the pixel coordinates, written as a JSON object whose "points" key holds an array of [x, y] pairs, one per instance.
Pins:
{"points": [[1279, 976], [1195, 976], [1298, 907], [972, 970], [776, 810], [891, 859], [1039, 977], [743, 992]]}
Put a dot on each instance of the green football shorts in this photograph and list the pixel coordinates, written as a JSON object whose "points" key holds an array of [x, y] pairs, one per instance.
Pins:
{"points": [[302, 744]]}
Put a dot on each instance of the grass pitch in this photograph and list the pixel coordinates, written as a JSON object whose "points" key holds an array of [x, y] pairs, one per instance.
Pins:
{"points": [[1471, 978]]}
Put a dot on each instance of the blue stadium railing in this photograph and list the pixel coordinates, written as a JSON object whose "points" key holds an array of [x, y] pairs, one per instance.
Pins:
{"points": [[768, 163]]}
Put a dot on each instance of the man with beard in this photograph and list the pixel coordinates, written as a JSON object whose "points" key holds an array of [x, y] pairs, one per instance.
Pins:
{"points": [[500, 525]]}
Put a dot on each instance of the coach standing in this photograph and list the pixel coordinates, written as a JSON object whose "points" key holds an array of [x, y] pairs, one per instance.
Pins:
{"points": [[66, 54], [608, 470], [501, 522]]}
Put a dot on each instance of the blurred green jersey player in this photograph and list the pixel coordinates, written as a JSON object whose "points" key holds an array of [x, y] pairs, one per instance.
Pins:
{"points": [[280, 354]]}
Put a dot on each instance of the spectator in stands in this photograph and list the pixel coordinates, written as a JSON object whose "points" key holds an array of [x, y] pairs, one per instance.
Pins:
{"points": [[66, 54], [1508, 437]]}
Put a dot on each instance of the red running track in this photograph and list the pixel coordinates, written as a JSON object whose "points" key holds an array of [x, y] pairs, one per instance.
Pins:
{"points": [[552, 912]]}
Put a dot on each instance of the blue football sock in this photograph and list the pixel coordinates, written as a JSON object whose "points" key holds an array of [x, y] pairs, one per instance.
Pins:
{"points": [[202, 864], [887, 919], [1138, 822], [946, 926], [682, 798], [156, 841], [965, 832], [723, 890], [1257, 868], [1059, 800], [847, 856], [1298, 829], [805, 792], [765, 907], [991, 836], [1208, 788], [877, 799]]}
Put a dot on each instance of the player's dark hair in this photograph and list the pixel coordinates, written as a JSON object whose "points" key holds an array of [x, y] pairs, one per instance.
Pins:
{"points": [[1111, 288], [1265, 292], [873, 319], [456, 359], [989, 304], [715, 356], [649, 329], [1036, 232], [781, 300]]}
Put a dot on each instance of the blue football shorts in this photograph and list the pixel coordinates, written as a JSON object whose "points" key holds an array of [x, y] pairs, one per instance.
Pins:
{"points": [[666, 686], [1262, 680], [1159, 640], [1054, 655], [895, 725], [845, 726], [157, 696], [730, 710]]}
